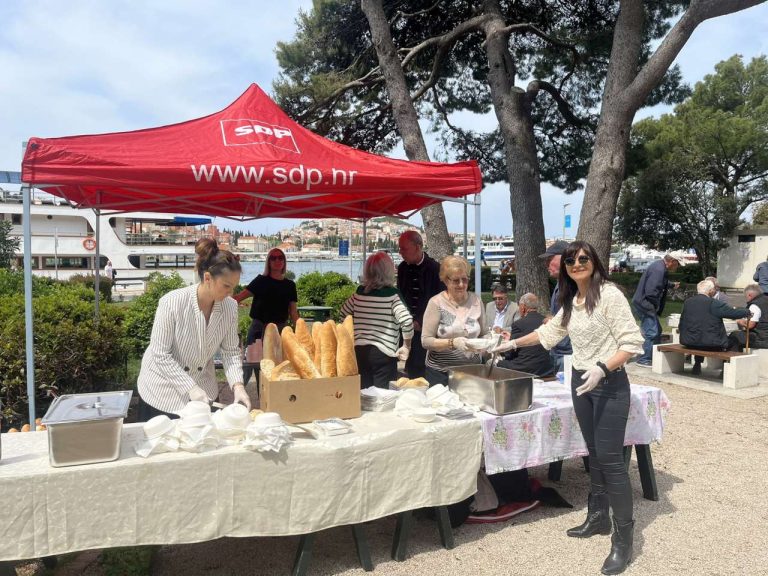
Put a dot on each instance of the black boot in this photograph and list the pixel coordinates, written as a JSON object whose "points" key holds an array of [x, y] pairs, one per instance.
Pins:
{"points": [[598, 520], [621, 548]]}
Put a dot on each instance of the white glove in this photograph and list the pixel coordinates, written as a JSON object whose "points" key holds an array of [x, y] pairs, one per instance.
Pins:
{"points": [[241, 395], [504, 347], [591, 378], [460, 344], [197, 393], [403, 352]]}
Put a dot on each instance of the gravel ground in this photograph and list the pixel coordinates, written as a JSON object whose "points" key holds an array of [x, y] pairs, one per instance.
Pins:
{"points": [[710, 519]]}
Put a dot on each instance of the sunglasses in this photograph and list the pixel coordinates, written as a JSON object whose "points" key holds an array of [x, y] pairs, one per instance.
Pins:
{"points": [[583, 260], [499, 297], [277, 257], [457, 281]]}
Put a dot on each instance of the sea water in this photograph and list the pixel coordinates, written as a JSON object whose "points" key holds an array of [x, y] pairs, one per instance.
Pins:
{"points": [[253, 269]]}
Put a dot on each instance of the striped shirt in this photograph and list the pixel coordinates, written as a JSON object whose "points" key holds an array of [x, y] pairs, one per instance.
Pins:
{"points": [[444, 320], [379, 316], [181, 349]]}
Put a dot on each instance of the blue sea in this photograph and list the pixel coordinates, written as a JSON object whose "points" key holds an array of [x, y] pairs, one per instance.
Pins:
{"points": [[253, 269]]}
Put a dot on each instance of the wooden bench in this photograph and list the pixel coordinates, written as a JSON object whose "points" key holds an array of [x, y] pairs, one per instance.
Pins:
{"points": [[740, 370]]}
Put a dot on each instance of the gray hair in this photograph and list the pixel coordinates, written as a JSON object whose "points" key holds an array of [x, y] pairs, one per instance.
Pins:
{"points": [[499, 289], [714, 281], [378, 272], [706, 287], [752, 289], [413, 237], [529, 300]]}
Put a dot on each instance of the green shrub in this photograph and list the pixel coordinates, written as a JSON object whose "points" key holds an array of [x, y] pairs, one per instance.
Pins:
{"points": [[313, 288], [140, 316], [337, 297], [73, 354], [128, 561], [105, 284], [13, 283], [486, 278], [243, 324]]}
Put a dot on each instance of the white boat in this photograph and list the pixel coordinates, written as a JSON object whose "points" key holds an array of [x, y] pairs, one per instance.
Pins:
{"points": [[137, 243], [492, 250]]}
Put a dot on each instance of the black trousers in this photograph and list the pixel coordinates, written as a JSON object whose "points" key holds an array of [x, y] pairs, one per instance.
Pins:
{"points": [[145, 412], [376, 368], [602, 415], [414, 366]]}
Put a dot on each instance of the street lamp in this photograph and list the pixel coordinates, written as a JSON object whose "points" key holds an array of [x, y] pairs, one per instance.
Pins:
{"points": [[565, 205]]}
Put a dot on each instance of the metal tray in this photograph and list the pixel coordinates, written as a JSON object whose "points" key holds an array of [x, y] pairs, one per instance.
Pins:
{"points": [[502, 391]]}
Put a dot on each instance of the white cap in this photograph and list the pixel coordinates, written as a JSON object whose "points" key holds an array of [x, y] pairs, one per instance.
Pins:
{"points": [[678, 255]]}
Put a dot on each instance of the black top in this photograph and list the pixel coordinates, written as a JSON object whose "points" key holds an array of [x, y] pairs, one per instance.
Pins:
{"points": [[417, 283], [531, 359], [701, 322], [271, 298]]}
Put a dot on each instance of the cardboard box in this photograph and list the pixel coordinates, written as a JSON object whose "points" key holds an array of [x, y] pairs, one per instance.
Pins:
{"points": [[299, 401]]}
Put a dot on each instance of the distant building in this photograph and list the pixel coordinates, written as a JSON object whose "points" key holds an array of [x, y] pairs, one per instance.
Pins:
{"points": [[746, 249]]}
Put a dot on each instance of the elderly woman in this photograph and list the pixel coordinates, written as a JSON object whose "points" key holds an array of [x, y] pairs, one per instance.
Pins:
{"points": [[604, 335], [380, 317], [274, 299], [451, 318]]}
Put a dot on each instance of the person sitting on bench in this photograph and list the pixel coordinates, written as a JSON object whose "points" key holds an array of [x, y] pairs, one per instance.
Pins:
{"points": [[533, 359], [758, 321], [701, 322]]}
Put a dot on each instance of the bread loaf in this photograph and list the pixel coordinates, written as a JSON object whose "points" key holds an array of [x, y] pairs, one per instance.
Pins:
{"points": [[298, 356], [328, 350], [266, 366], [272, 344], [317, 327], [348, 324], [304, 337], [346, 362], [281, 369]]}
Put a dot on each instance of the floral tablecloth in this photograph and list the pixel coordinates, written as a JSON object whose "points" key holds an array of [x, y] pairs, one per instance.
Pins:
{"points": [[550, 432]]}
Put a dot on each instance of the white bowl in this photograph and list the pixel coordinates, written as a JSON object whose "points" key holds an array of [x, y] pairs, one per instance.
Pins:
{"points": [[157, 426], [233, 416], [194, 407], [424, 415], [268, 419], [193, 420]]}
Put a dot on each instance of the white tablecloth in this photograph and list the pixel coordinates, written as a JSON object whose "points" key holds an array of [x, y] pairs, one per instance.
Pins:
{"points": [[550, 432], [388, 465]]}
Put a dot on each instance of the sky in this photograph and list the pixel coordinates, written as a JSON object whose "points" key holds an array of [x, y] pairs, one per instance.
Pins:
{"points": [[86, 67]]}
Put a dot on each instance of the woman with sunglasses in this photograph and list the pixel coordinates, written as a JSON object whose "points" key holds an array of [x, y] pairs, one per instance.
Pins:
{"points": [[191, 325], [274, 299], [604, 335], [451, 318]]}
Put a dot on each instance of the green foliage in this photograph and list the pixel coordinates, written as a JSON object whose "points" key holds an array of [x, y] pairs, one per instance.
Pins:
{"points": [[9, 245], [697, 171], [313, 288], [128, 561], [12, 282], [486, 278], [141, 315], [88, 280], [73, 353], [760, 214], [336, 297], [243, 324]]}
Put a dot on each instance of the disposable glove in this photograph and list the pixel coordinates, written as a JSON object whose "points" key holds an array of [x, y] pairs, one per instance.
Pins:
{"points": [[460, 344], [503, 347], [241, 395], [197, 393], [402, 353], [591, 378]]}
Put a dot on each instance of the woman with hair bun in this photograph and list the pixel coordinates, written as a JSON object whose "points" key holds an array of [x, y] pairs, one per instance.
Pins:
{"points": [[191, 325]]}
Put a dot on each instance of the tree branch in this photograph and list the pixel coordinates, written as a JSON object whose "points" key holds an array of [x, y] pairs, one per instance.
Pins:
{"points": [[528, 27], [562, 104]]}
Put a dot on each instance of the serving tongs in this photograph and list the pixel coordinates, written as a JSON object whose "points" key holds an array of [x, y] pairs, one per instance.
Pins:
{"points": [[493, 354]]}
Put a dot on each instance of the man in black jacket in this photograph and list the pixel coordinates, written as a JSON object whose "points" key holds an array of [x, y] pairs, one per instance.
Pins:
{"points": [[418, 279], [531, 359], [701, 322], [757, 304], [648, 302]]}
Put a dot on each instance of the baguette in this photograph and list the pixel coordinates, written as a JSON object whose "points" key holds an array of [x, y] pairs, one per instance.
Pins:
{"points": [[328, 349], [295, 352], [349, 325], [346, 361], [266, 366], [317, 327], [304, 337], [283, 369], [272, 345]]}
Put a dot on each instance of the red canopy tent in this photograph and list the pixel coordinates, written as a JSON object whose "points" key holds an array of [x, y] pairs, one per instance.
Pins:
{"points": [[248, 161]]}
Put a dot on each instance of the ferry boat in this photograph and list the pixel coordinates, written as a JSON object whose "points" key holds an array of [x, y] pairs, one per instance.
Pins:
{"points": [[492, 250], [137, 243]]}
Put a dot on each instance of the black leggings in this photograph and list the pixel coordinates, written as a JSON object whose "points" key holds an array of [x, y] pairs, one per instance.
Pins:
{"points": [[375, 367], [602, 415]]}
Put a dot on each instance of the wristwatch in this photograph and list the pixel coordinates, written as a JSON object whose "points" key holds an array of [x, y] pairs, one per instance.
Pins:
{"points": [[604, 368]]}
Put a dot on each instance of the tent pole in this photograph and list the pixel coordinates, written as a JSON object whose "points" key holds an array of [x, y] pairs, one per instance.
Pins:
{"points": [[28, 317], [465, 231], [364, 242], [96, 265], [349, 252], [478, 253]]}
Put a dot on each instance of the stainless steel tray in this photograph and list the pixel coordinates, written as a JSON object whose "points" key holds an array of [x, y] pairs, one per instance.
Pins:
{"points": [[502, 391]]}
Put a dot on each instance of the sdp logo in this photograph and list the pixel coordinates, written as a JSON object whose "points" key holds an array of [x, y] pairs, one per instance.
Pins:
{"points": [[246, 132]]}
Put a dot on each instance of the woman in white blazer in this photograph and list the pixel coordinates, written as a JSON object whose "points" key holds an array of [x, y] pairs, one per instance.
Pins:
{"points": [[191, 325]]}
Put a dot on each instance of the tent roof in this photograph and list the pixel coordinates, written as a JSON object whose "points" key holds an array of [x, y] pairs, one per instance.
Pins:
{"points": [[248, 161]]}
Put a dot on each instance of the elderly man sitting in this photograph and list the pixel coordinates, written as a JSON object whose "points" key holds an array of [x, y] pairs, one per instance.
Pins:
{"points": [[531, 359], [701, 322], [501, 312], [757, 302]]}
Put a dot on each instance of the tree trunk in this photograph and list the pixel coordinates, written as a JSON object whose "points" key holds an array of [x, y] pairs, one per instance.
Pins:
{"points": [[513, 110], [438, 241]]}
